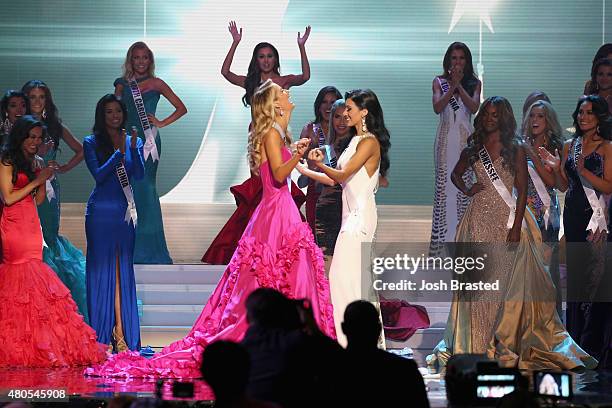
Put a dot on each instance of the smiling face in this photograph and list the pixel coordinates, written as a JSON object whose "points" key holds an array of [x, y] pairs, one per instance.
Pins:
{"points": [[113, 115], [587, 120], [141, 61], [16, 108], [339, 122], [266, 60], [354, 114], [38, 100], [537, 121], [30, 144], [325, 107]]}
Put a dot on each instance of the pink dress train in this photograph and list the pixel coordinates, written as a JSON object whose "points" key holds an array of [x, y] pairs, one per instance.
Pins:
{"points": [[277, 250]]}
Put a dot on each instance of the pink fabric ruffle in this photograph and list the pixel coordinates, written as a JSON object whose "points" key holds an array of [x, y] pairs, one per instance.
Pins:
{"points": [[223, 317], [40, 325]]}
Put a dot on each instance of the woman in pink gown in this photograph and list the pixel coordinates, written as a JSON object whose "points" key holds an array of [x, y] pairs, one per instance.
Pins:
{"points": [[40, 325], [264, 65], [277, 250]]}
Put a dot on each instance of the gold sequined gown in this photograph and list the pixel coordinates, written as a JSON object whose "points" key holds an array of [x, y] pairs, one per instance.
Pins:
{"points": [[519, 325]]}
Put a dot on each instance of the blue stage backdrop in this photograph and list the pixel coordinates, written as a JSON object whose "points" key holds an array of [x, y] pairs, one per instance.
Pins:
{"points": [[393, 47]]}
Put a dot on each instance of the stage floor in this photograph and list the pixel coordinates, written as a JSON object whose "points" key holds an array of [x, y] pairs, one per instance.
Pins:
{"points": [[592, 387]]}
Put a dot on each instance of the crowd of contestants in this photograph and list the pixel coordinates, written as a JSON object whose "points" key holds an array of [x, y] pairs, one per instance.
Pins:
{"points": [[342, 155]]}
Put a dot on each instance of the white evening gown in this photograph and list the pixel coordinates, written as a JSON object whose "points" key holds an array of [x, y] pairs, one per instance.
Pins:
{"points": [[359, 219]]}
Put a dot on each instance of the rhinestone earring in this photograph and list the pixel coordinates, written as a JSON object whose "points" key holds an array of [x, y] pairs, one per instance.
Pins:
{"points": [[44, 114], [364, 128]]}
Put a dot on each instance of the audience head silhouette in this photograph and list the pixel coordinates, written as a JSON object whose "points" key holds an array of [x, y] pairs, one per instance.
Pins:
{"points": [[225, 367], [270, 309], [361, 324]]}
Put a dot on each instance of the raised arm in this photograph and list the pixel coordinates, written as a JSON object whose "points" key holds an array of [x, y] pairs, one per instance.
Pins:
{"points": [[368, 150], [472, 102], [440, 99], [548, 177], [100, 171], [227, 62], [179, 106], [297, 80], [9, 195], [273, 146], [557, 164], [315, 175], [137, 163], [520, 183]]}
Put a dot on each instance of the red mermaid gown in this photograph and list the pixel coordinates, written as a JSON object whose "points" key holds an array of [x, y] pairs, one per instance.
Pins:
{"points": [[277, 250], [39, 322]]}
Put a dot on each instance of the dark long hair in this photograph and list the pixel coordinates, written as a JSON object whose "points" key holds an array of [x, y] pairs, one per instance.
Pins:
{"points": [[602, 52], [319, 100], [593, 88], [469, 80], [375, 122], [507, 130], [12, 153], [253, 77], [104, 145], [8, 95], [51, 119], [600, 109]]}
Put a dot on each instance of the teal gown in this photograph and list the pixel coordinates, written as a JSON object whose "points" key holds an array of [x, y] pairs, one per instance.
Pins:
{"points": [[150, 247], [64, 258]]}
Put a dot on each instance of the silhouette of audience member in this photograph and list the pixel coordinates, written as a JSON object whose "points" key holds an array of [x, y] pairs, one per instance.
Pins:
{"points": [[378, 378], [292, 362], [225, 367]]}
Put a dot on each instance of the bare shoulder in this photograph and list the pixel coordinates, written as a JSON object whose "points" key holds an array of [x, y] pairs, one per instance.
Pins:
{"points": [[368, 142], [606, 146], [159, 84]]}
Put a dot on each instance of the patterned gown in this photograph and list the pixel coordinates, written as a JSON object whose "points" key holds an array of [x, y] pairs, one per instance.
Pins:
{"points": [[449, 203]]}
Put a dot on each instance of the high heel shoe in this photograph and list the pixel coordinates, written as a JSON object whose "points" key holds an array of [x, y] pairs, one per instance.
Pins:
{"points": [[120, 343]]}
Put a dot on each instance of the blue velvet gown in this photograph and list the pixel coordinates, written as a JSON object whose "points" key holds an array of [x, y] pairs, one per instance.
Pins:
{"points": [[150, 247], [109, 236]]}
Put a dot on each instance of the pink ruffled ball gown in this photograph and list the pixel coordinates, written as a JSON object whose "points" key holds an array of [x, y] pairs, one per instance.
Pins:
{"points": [[277, 250]]}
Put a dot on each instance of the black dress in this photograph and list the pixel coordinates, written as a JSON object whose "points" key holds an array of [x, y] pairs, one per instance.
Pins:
{"points": [[589, 315]]}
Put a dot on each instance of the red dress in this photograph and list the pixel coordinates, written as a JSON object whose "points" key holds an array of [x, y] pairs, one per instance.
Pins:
{"points": [[247, 196], [39, 322]]}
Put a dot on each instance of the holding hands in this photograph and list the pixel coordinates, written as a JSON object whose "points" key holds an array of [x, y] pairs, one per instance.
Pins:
{"points": [[301, 146]]}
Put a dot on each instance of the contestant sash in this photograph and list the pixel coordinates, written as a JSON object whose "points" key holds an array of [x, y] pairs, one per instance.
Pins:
{"points": [[150, 131], [598, 219], [50, 192], [541, 190], [452, 101], [130, 212], [497, 182]]}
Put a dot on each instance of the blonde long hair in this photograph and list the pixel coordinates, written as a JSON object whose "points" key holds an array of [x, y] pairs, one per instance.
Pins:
{"points": [[128, 70], [554, 132], [263, 117]]}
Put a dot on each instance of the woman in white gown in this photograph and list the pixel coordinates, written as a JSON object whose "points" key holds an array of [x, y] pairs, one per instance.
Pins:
{"points": [[456, 96], [358, 170]]}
